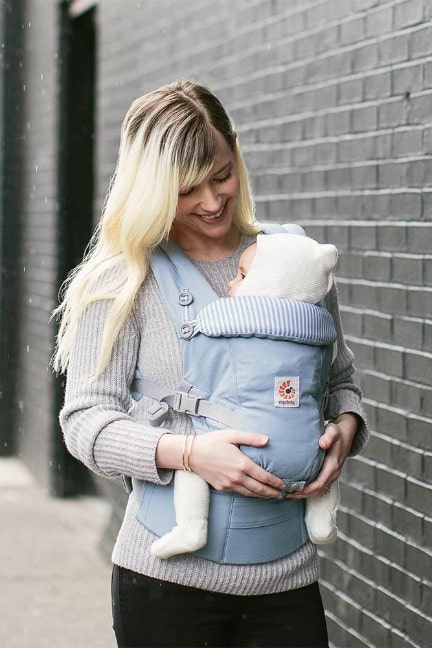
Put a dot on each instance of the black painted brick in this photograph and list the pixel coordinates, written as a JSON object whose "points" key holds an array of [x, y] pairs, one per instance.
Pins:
{"points": [[418, 431], [393, 238], [379, 449], [407, 78], [377, 631], [408, 270], [408, 394], [417, 560], [349, 264], [418, 625], [420, 109], [392, 421], [404, 584], [421, 42], [377, 85], [408, 13], [408, 332], [394, 49], [378, 327], [364, 118], [418, 367], [361, 472], [408, 142], [392, 113], [377, 266], [418, 494], [408, 523], [390, 546], [426, 403], [390, 609], [391, 483], [420, 238], [378, 508]]}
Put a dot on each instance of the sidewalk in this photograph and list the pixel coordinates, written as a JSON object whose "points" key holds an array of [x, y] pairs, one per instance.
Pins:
{"points": [[54, 583]]}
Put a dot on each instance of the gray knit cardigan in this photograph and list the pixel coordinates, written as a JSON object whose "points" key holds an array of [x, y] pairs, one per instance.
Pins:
{"points": [[109, 433]]}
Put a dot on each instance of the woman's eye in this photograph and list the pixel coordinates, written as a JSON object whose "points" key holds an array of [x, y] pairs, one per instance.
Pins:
{"points": [[186, 192], [224, 179]]}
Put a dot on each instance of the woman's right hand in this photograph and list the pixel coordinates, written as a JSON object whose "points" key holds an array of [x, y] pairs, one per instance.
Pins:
{"points": [[217, 458]]}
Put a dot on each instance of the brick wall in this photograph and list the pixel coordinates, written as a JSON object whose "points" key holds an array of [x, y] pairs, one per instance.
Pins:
{"points": [[333, 102]]}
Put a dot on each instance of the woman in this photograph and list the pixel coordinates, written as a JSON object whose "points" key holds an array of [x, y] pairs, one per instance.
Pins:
{"points": [[180, 175]]}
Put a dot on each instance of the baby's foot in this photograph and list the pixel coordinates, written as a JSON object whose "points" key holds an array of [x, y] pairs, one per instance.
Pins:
{"points": [[321, 516], [182, 539]]}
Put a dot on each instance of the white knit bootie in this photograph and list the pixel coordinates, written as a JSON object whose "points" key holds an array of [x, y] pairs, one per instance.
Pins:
{"points": [[191, 502], [321, 515]]}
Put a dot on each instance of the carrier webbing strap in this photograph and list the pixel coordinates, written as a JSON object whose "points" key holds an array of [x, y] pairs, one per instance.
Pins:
{"points": [[181, 401]]}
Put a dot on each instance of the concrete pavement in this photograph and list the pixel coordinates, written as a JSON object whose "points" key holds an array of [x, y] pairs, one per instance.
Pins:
{"points": [[54, 582]]}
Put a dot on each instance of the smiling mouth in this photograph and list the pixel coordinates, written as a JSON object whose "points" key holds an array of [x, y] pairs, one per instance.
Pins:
{"points": [[213, 217]]}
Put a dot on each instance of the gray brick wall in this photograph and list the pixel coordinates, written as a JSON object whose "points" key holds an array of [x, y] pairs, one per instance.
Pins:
{"points": [[332, 100]]}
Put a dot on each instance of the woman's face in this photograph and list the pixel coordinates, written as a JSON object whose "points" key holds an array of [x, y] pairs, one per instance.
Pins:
{"points": [[205, 212]]}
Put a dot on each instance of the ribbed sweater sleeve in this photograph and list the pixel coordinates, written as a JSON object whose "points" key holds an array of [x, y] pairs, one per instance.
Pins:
{"points": [[96, 418], [344, 394]]}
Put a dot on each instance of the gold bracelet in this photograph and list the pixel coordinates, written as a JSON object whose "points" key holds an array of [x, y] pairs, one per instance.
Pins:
{"points": [[186, 438], [186, 463]]}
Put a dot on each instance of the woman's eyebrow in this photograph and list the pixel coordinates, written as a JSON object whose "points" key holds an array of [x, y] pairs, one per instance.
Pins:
{"points": [[223, 168]]}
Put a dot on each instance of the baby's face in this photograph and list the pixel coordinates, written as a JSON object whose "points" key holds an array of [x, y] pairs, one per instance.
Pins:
{"points": [[245, 263]]}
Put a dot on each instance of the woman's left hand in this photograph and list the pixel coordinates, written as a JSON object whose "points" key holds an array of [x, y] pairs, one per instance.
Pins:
{"points": [[336, 441]]}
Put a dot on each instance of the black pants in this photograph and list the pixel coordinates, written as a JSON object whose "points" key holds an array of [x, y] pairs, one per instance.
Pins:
{"points": [[148, 613]]}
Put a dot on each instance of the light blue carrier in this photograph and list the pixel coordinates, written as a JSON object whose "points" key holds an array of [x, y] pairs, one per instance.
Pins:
{"points": [[253, 363]]}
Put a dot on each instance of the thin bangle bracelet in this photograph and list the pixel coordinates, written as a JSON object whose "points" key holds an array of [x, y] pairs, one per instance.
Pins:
{"points": [[186, 464], [186, 438]]}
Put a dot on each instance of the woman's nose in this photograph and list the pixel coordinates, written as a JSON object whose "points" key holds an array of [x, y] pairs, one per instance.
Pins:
{"points": [[209, 200]]}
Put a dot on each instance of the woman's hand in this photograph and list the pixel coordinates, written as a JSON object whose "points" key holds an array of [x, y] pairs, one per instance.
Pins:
{"points": [[216, 457], [336, 441]]}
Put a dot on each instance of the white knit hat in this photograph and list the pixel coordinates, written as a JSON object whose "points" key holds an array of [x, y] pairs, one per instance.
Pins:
{"points": [[290, 266]]}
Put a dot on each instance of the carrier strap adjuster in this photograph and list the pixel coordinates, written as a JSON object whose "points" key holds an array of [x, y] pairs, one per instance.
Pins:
{"points": [[187, 403], [157, 413]]}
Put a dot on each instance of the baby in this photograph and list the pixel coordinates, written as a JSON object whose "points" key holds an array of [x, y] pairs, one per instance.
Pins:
{"points": [[260, 272], [286, 267]]}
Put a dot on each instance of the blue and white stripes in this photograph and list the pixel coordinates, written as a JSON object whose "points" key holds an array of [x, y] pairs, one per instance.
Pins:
{"points": [[283, 319]]}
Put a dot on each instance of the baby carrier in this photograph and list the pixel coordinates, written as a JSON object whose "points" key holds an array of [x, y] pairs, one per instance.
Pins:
{"points": [[253, 363]]}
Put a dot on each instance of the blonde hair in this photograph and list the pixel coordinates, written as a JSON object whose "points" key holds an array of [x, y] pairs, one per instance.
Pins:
{"points": [[167, 144]]}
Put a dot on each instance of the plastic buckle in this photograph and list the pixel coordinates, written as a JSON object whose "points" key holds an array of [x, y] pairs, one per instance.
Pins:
{"points": [[157, 413], [186, 403], [294, 487]]}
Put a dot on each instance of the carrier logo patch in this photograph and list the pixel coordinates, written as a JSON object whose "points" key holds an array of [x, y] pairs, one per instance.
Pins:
{"points": [[287, 391]]}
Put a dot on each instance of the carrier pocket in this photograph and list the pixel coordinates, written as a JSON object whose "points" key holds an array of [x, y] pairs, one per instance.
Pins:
{"points": [[260, 531]]}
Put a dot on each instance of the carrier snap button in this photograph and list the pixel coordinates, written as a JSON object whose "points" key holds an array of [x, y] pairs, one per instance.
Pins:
{"points": [[185, 298], [186, 331]]}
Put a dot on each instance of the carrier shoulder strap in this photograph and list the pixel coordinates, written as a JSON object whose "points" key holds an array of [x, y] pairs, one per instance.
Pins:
{"points": [[176, 275]]}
